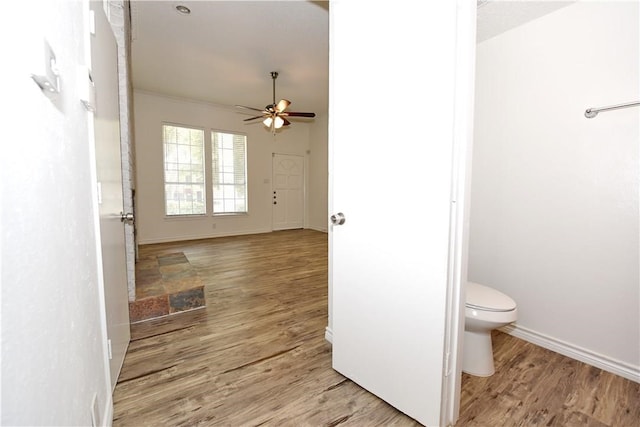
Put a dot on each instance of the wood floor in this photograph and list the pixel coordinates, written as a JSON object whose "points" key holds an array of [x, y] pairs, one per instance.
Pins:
{"points": [[256, 356]]}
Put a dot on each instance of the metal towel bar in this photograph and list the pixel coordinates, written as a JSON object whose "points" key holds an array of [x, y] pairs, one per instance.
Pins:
{"points": [[590, 113]]}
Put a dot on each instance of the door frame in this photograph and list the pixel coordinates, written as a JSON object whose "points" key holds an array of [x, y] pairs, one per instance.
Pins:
{"points": [[101, 42], [460, 209]]}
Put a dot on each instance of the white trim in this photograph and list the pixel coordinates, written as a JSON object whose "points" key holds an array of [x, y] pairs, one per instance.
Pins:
{"points": [[589, 357], [95, 207], [321, 229], [211, 236], [107, 418], [328, 334], [459, 210], [201, 236]]}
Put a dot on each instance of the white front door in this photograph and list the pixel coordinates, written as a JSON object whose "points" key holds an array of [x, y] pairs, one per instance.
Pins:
{"points": [[109, 174], [288, 191], [391, 134]]}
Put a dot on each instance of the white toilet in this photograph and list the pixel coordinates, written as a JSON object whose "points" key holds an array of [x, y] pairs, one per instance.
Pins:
{"points": [[485, 309]]}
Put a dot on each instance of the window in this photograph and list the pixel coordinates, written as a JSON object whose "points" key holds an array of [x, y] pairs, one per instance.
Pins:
{"points": [[229, 177], [183, 170]]}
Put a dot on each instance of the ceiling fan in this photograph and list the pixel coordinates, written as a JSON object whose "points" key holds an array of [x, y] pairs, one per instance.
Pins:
{"points": [[274, 115]]}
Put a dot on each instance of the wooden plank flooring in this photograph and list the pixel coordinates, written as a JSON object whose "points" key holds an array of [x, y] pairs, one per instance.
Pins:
{"points": [[256, 356], [533, 386]]}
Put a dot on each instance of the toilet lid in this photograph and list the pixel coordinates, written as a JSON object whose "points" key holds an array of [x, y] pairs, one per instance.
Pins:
{"points": [[485, 298]]}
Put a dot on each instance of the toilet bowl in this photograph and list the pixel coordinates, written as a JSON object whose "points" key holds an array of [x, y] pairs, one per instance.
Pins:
{"points": [[485, 309]]}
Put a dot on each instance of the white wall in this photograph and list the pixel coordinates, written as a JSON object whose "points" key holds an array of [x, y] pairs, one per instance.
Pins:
{"points": [[151, 110], [53, 359], [554, 212]]}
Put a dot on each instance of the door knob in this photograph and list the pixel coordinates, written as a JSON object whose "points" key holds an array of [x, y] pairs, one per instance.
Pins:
{"points": [[126, 216], [338, 219]]}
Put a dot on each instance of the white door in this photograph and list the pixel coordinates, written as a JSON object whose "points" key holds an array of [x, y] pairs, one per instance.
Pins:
{"points": [[391, 148], [109, 174], [288, 191]]}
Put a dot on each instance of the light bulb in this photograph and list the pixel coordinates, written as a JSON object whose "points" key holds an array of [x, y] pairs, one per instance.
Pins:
{"points": [[279, 121], [267, 122]]}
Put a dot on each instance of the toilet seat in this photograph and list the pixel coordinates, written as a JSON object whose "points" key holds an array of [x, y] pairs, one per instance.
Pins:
{"points": [[480, 297]]}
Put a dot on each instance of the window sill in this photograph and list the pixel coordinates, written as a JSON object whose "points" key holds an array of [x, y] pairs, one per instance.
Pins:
{"points": [[230, 214], [184, 217]]}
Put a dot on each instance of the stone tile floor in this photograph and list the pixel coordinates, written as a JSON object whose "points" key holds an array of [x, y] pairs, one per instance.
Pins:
{"points": [[165, 284]]}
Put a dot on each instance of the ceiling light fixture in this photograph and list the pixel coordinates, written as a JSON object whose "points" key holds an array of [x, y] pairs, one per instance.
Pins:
{"points": [[274, 115], [278, 122], [183, 9]]}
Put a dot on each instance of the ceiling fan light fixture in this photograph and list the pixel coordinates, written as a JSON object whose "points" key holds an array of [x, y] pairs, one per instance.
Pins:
{"points": [[278, 122], [274, 114]]}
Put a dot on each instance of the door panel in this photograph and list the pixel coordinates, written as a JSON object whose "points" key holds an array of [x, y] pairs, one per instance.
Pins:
{"points": [[392, 179], [288, 191], [109, 174]]}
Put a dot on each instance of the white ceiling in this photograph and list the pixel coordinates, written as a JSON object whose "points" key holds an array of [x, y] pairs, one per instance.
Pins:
{"points": [[223, 52]]}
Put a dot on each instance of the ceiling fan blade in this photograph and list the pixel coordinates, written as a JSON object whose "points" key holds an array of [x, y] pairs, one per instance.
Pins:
{"points": [[251, 108], [253, 118], [286, 122], [282, 105], [298, 114]]}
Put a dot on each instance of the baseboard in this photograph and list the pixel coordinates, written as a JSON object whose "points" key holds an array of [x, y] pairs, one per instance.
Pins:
{"points": [[589, 357], [200, 236], [328, 334], [211, 236]]}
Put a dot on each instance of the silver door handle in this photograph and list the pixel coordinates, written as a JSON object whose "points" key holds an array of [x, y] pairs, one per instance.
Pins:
{"points": [[338, 219], [126, 216]]}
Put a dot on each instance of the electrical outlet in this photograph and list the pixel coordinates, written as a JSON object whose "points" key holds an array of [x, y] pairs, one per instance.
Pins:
{"points": [[213, 225], [95, 411]]}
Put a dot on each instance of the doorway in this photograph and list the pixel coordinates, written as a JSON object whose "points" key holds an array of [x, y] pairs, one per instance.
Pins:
{"points": [[288, 191]]}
